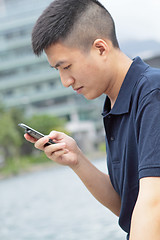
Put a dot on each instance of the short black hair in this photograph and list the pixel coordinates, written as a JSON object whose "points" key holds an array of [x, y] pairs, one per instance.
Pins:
{"points": [[77, 22]]}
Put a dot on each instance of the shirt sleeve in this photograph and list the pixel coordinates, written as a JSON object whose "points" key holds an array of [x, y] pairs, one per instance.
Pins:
{"points": [[148, 135]]}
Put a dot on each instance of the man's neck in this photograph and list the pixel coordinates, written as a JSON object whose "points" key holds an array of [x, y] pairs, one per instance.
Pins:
{"points": [[122, 65]]}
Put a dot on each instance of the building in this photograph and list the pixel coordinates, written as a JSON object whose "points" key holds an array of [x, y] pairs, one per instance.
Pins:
{"points": [[28, 82]]}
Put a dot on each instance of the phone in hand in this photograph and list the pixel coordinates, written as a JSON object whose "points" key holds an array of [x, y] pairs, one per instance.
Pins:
{"points": [[33, 133]]}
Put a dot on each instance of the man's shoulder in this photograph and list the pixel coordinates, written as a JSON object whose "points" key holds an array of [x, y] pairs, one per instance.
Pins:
{"points": [[148, 82], [153, 77]]}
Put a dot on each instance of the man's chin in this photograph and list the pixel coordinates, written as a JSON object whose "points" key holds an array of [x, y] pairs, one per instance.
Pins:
{"points": [[90, 97]]}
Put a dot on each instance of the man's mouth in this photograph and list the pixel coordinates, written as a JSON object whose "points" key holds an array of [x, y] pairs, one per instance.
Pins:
{"points": [[78, 90]]}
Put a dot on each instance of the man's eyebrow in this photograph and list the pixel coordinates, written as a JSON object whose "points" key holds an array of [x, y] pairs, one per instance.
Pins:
{"points": [[58, 64]]}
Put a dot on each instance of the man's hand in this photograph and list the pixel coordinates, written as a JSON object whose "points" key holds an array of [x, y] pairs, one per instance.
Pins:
{"points": [[65, 151]]}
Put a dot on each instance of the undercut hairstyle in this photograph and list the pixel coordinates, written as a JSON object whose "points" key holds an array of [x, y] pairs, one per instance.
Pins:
{"points": [[76, 23]]}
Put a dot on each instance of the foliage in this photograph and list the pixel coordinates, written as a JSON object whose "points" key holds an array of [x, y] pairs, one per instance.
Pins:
{"points": [[102, 147], [14, 149], [46, 123], [10, 139], [24, 164]]}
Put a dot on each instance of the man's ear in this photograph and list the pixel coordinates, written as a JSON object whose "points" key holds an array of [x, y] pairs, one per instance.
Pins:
{"points": [[101, 46]]}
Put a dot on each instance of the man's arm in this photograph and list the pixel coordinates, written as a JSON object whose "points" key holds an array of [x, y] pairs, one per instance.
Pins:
{"points": [[98, 184], [145, 222], [66, 152]]}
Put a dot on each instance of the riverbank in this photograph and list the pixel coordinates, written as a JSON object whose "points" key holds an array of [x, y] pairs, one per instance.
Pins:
{"points": [[29, 164]]}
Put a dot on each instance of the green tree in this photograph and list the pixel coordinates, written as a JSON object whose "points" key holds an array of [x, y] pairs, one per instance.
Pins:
{"points": [[10, 139], [13, 147], [46, 123]]}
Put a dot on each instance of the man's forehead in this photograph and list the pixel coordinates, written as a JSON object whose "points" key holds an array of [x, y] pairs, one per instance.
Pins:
{"points": [[56, 55], [59, 54]]}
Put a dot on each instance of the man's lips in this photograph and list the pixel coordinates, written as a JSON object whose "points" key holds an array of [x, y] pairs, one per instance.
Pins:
{"points": [[78, 90]]}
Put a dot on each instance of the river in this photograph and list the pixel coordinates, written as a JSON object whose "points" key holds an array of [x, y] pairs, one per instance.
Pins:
{"points": [[53, 204]]}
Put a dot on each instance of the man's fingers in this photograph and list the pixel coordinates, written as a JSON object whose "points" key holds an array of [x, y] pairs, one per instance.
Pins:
{"points": [[55, 154], [40, 144], [53, 148], [29, 138], [56, 136]]}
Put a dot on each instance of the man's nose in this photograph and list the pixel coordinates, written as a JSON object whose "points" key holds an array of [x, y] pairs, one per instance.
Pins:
{"points": [[66, 80]]}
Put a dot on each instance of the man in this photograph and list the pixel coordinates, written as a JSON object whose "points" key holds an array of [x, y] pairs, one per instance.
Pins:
{"points": [[79, 39]]}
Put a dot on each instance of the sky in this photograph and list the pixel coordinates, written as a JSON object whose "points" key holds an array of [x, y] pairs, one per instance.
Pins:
{"points": [[135, 19]]}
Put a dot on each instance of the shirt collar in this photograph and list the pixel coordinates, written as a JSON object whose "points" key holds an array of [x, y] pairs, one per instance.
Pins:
{"points": [[122, 103]]}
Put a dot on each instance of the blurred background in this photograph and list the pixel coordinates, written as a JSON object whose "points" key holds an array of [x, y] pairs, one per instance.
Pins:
{"points": [[31, 92]]}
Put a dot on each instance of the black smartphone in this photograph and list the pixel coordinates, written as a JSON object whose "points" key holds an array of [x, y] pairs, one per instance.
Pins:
{"points": [[33, 133]]}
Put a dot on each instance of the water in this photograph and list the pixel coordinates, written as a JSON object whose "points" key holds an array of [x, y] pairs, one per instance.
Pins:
{"points": [[54, 205]]}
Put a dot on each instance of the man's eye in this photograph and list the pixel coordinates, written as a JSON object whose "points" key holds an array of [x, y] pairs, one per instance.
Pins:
{"points": [[65, 68]]}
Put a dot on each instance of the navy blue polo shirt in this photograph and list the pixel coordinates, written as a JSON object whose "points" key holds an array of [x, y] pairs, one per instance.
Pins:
{"points": [[132, 129]]}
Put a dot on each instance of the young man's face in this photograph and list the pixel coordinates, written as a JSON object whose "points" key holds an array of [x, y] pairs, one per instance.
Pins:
{"points": [[84, 72]]}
